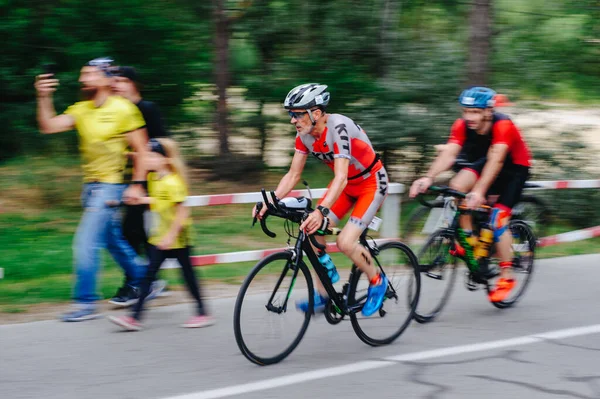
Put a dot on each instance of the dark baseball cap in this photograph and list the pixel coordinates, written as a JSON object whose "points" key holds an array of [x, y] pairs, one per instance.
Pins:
{"points": [[129, 73]]}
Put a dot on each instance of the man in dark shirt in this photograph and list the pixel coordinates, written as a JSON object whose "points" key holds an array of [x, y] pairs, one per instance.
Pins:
{"points": [[126, 83]]}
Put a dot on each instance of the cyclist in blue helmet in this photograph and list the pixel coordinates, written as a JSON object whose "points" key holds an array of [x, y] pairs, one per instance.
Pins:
{"points": [[499, 162]]}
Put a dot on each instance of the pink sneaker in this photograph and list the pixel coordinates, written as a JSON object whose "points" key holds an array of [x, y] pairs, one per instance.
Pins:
{"points": [[198, 322], [127, 322]]}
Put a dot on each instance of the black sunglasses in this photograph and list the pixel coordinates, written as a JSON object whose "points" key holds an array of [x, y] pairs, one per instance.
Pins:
{"points": [[297, 115]]}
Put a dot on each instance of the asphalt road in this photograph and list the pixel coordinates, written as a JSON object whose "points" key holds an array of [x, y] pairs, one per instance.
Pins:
{"points": [[547, 346]]}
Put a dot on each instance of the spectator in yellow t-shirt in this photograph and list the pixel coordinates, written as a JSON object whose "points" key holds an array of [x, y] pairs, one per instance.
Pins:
{"points": [[106, 125]]}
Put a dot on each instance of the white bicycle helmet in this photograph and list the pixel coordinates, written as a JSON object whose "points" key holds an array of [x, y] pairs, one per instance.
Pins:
{"points": [[306, 96]]}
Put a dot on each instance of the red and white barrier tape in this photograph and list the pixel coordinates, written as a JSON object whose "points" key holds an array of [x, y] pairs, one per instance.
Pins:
{"points": [[243, 256], [571, 236], [394, 188], [248, 198], [563, 184]]}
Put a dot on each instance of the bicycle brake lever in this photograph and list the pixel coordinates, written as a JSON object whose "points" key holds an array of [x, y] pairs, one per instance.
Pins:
{"points": [[259, 206], [275, 199], [269, 205]]}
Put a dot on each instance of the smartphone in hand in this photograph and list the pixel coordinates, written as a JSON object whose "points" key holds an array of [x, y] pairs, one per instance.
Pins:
{"points": [[49, 69]]}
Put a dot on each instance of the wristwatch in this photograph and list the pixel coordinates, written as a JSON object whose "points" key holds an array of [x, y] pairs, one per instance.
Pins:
{"points": [[324, 211]]}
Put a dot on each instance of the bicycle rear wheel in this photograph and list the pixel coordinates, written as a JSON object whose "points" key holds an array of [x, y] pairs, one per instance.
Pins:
{"points": [[399, 264], [524, 243], [533, 211], [438, 275], [266, 324]]}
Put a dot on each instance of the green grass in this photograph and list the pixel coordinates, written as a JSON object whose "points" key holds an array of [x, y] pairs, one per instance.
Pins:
{"points": [[40, 212], [591, 246]]}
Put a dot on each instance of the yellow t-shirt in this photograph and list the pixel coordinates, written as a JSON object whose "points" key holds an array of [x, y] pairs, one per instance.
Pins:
{"points": [[102, 139], [167, 192]]}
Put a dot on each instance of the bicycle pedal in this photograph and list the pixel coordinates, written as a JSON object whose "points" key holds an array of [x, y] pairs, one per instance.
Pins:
{"points": [[470, 283], [434, 276]]}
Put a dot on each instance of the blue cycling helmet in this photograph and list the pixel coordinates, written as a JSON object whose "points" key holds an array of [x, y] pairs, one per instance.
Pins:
{"points": [[477, 97]]}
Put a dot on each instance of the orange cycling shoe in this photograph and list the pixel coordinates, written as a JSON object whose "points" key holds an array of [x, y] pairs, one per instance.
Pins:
{"points": [[503, 288]]}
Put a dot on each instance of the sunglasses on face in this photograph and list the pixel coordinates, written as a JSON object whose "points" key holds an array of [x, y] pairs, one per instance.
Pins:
{"points": [[297, 115]]}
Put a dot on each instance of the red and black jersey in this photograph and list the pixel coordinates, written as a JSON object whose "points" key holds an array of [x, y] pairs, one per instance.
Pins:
{"points": [[475, 146]]}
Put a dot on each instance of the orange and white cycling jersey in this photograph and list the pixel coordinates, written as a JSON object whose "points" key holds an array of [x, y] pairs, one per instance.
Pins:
{"points": [[342, 138], [367, 178]]}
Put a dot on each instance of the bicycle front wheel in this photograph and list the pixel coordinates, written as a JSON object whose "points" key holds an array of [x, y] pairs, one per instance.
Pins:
{"points": [[438, 270], [421, 224], [266, 324], [399, 264]]}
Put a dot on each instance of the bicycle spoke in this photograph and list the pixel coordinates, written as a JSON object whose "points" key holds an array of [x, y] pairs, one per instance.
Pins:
{"points": [[400, 267], [265, 330]]}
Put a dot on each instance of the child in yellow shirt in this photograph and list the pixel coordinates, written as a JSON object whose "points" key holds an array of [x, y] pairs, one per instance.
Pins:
{"points": [[171, 238]]}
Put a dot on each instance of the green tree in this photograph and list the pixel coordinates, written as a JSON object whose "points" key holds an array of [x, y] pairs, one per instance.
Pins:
{"points": [[155, 37]]}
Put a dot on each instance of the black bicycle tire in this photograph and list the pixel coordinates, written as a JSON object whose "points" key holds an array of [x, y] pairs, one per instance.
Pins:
{"points": [[238, 306], [420, 318], [418, 215], [523, 287], [354, 282]]}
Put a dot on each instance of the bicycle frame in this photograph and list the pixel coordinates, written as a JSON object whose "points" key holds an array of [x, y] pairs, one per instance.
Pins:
{"points": [[303, 246], [460, 236]]}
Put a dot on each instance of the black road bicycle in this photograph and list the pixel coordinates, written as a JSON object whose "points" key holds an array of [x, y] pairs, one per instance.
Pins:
{"points": [[439, 267], [425, 219], [267, 326]]}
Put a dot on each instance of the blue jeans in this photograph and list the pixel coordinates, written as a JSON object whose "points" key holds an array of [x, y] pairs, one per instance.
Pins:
{"points": [[100, 227]]}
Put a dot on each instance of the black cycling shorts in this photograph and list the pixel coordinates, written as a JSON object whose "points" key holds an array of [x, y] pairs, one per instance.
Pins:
{"points": [[508, 185]]}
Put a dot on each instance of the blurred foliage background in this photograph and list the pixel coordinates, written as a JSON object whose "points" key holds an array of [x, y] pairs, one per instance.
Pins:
{"points": [[219, 69]]}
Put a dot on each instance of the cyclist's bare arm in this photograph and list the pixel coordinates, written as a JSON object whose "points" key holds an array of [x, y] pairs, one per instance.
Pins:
{"points": [[289, 180], [442, 163], [315, 219], [495, 160], [47, 119], [292, 177], [444, 160], [339, 182]]}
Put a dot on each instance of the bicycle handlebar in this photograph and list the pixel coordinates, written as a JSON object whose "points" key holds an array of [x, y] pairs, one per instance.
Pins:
{"points": [[429, 204], [445, 190], [274, 209], [316, 243], [448, 191]]}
